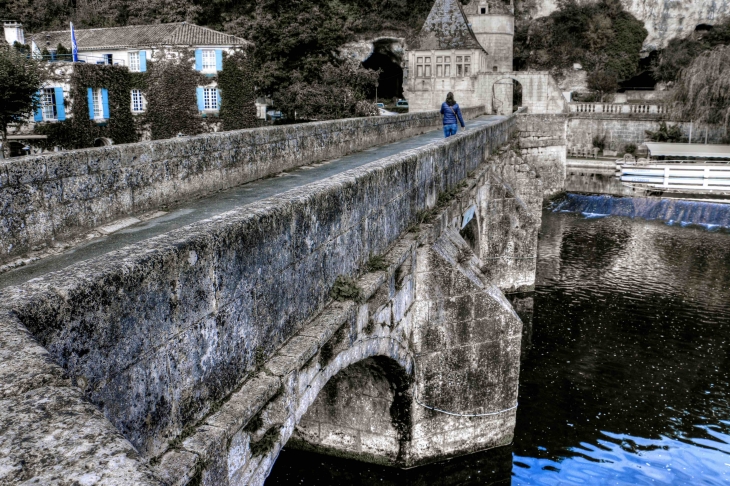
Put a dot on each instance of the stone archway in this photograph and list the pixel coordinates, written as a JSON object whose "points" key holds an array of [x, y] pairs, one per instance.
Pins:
{"points": [[505, 92]]}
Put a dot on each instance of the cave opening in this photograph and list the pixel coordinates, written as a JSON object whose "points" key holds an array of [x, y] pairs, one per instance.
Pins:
{"points": [[388, 61]]}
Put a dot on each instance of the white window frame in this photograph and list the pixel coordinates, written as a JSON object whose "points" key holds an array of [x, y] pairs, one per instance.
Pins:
{"points": [[48, 104], [209, 61], [98, 104], [139, 103], [134, 62], [210, 99]]}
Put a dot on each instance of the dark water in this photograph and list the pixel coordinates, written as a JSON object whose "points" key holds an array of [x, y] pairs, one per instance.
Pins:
{"points": [[625, 370]]}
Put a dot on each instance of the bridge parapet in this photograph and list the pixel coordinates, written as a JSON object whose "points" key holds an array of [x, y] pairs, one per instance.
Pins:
{"points": [[58, 196]]}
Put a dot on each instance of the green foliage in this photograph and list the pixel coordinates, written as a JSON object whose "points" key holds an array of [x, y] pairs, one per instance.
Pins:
{"points": [[376, 263], [702, 92], [172, 106], [602, 83], [345, 288], [339, 93], [238, 109], [602, 36], [631, 148], [680, 53], [79, 131], [599, 141], [267, 442], [20, 79], [665, 133]]}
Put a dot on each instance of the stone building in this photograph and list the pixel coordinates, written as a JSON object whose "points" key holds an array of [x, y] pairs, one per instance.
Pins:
{"points": [[468, 50]]}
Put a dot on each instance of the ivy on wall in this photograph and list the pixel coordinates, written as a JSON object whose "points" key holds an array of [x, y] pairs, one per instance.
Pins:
{"points": [[79, 131], [235, 81], [169, 86], [172, 105]]}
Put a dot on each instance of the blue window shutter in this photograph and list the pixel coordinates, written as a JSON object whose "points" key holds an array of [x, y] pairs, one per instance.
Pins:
{"points": [[201, 99], [218, 93], [218, 60], [90, 95], [105, 103], [60, 108], [142, 61], [38, 115], [198, 60]]}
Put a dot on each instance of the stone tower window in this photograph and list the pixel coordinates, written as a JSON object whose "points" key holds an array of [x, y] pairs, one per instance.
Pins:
{"points": [[447, 66], [483, 10], [495, 69]]}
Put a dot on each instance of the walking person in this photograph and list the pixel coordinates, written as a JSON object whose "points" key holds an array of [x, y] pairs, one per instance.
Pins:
{"points": [[452, 113]]}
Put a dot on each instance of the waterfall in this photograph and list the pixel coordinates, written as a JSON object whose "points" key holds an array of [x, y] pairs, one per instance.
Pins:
{"points": [[673, 211]]}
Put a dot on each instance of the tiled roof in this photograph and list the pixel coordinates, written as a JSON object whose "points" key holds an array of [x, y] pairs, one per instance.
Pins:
{"points": [[135, 36], [446, 28]]}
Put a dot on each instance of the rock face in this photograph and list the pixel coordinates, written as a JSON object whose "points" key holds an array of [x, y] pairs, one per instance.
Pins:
{"points": [[664, 19]]}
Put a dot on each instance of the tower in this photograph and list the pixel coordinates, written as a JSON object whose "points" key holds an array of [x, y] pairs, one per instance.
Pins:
{"points": [[493, 24]]}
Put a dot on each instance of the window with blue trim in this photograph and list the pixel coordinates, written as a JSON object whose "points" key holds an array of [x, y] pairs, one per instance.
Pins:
{"points": [[48, 104], [210, 98], [209, 61]]}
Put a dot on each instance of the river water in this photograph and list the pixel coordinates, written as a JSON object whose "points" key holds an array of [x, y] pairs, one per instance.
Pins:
{"points": [[625, 374]]}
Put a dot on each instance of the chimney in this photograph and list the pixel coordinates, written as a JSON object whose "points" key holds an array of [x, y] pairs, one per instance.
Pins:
{"points": [[13, 32]]}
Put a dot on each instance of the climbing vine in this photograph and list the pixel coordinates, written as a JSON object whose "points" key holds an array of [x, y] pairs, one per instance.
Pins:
{"points": [[172, 106], [238, 108], [78, 131]]}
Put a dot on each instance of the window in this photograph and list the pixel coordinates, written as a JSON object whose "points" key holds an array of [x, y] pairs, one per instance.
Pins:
{"points": [[447, 70], [495, 69], [439, 59], [419, 60], [439, 70], [484, 10], [108, 59], [419, 71], [139, 104], [134, 65], [428, 71], [209, 61], [210, 98], [428, 60], [98, 104], [48, 104]]}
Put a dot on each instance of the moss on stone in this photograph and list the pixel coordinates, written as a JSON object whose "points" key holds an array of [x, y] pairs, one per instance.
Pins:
{"points": [[345, 288], [376, 263], [267, 442]]}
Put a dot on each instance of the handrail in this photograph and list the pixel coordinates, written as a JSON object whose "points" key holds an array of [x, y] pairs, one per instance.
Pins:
{"points": [[704, 177], [618, 108]]}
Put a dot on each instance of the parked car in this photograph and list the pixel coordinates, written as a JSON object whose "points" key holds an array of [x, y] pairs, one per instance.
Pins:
{"points": [[402, 104], [380, 105], [274, 115]]}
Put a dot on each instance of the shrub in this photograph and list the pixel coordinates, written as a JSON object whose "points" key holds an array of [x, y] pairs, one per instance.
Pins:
{"points": [[599, 141], [631, 148]]}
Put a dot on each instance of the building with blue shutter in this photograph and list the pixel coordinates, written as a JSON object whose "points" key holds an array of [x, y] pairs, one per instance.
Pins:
{"points": [[132, 47]]}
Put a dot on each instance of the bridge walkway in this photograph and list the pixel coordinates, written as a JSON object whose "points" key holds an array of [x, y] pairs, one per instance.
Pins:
{"points": [[215, 204]]}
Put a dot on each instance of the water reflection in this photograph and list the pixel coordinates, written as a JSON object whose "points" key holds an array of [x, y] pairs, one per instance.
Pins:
{"points": [[624, 375]]}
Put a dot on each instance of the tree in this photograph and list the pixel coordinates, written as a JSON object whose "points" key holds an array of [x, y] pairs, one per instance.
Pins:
{"points": [[339, 93], [702, 92], [603, 83], [20, 79]]}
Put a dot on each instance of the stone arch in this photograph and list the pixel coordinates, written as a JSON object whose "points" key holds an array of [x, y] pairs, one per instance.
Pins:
{"points": [[503, 94], [283, 413], [103, 142]]}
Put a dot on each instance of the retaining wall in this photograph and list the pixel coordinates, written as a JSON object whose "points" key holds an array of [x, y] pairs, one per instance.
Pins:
{"points": [[59, 195], [624, 129], [156, 334]]}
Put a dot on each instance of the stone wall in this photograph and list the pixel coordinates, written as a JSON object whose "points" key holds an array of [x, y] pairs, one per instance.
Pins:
{"points": [[156, 334], [56, 196], [622, 130], [542, 143]]}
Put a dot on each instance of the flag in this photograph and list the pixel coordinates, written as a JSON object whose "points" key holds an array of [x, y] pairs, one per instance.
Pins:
{"points": [[35, 51], [74, 46]]}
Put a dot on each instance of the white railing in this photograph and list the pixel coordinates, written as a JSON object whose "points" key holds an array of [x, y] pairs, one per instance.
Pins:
{"points": [[617, 108], [686, 176]]}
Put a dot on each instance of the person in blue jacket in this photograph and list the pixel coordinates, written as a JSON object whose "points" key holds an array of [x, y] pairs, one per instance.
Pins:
{"points": [[451, 113]]}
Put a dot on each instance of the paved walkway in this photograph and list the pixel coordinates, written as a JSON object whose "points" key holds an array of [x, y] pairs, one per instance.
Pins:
{"points": [[218, 203]]}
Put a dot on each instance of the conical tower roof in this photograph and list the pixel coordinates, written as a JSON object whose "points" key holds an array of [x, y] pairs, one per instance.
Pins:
{"points": [[446, 28]]}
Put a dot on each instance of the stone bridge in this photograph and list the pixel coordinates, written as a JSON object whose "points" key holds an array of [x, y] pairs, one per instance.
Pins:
{"points": [[363, 314]]}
